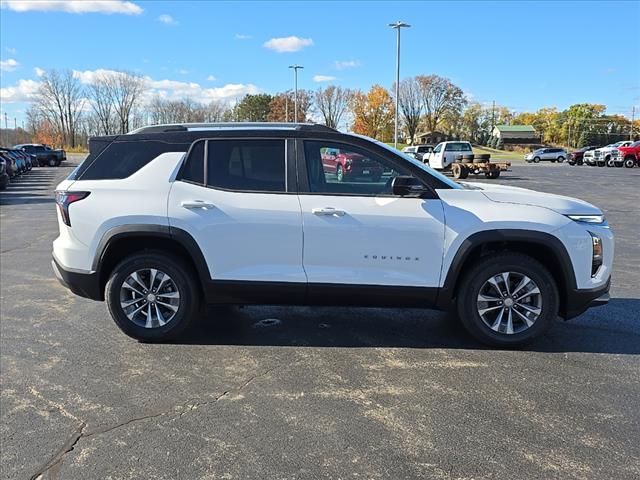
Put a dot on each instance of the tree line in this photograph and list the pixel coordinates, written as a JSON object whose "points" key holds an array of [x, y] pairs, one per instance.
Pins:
{"points": [[66, 112]]}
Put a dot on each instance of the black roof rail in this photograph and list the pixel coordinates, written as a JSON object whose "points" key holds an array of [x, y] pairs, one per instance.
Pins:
{"points": [[186, 127]]}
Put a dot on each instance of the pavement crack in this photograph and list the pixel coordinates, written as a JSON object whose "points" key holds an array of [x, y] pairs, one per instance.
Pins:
{"points": [[55, 462]]}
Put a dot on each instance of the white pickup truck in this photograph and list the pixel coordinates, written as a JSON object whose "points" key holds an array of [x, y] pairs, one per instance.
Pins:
{"points": [[458, 157]]}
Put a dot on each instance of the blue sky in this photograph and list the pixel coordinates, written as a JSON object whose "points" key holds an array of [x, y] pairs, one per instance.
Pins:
{"points": [[523, 55]]}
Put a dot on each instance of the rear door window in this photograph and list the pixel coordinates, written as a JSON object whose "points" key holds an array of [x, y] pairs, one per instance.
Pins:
{"points": [[246, 165]]}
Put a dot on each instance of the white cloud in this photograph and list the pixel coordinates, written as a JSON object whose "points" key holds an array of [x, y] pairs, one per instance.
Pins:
{"points": [[341, 65], [323, 78], [23, 91], [39, 71], [288, 44], [242, 36], [8, 65], [73, 6], [182, 71], [211, 78], [11, 51], [167, 19], [178, 90]]}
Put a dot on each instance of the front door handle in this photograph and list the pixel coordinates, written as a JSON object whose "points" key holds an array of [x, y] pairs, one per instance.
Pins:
{"points": [[328, 211], [193, 204]]}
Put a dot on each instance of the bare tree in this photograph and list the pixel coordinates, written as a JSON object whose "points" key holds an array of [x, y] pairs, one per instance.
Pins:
{"points": [[102, 105], [439, 95], [215, 111], [332, 102], [410, 104], [125, 90], [60, 100]]}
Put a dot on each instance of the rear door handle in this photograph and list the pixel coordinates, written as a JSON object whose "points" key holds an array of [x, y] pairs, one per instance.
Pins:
{"points": [[193, 204], [328, 211]]}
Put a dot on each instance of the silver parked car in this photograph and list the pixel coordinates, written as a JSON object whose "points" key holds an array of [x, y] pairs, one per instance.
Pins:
{"points": [[551, 154]]}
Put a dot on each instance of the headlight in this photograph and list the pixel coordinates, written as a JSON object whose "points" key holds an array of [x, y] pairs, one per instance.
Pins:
{"points": [[592, 219], [596, 259]]}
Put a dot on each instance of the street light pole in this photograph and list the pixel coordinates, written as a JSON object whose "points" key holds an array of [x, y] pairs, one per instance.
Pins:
{"points": [[295, 67], [398, 25]]}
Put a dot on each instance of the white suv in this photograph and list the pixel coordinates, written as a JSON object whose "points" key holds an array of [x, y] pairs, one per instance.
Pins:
{"points": [[162, 220]]}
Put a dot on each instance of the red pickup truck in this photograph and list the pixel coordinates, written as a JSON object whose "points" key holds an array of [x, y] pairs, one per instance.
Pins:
{"points": [[629, 156], [350, 165]]}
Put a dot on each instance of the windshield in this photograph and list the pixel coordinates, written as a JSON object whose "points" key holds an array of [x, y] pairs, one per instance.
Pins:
{"points": [[415, 162]]}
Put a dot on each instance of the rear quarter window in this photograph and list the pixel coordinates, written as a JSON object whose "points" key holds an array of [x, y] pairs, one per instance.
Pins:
{"points": [[121, 159]]}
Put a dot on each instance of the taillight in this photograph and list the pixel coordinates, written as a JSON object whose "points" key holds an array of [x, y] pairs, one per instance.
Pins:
{"points": [[64, 199]]}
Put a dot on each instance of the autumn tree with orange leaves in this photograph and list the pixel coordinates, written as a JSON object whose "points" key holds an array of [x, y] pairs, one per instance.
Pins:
{"points": [[373, 113]]}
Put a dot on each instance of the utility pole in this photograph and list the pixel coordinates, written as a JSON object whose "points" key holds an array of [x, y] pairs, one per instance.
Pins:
{"points": [[15, 123], [6, 121], [397, 26], [286, 107], [295, 67], [493, 116], [633, 119]]}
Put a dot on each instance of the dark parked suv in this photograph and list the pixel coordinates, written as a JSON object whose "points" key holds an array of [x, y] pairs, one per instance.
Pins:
{"points": [[45, 155], [576, 157]]}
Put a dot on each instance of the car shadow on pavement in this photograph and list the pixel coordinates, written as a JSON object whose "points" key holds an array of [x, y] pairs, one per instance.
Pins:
{"points": [[609, 329]]}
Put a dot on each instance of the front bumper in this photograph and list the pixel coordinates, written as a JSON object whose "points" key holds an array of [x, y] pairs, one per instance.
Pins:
{"points": [[85, 285], [579, 300]]}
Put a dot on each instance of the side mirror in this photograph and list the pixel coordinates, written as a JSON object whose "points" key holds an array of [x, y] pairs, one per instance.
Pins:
{"points": [[405, 186]]}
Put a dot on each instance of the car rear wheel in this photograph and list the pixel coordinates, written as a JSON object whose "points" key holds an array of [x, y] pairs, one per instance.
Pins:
{"points": [[507, 299], [560, 159], [52, 162], [152, 296], [493, 174], [340, 173]]}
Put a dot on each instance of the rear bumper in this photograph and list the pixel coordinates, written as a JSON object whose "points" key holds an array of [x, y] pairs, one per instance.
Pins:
{"points": [[580, 300], [86, 285]]}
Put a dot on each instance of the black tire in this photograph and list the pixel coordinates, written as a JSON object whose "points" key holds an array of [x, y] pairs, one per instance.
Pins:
{"points": [[629, 162], [609, 162], [340, 173], [601, 164], [52, 162], [560, 159], [536, 159], [493, 174], [183, 278], [468, 158], [474, 279], [459, 171]]}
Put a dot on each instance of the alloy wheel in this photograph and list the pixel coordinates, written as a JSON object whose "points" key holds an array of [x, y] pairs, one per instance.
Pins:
{"points": [[509, 303], [149, 298]]}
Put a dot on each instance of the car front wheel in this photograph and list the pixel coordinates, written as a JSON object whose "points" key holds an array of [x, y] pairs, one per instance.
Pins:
{"points": [[507, 299], [536, 160], [152, 296]]}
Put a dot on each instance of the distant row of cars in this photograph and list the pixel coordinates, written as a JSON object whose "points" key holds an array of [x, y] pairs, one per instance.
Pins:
{"points": [[625, 153], [619, 154], [22, 158]]}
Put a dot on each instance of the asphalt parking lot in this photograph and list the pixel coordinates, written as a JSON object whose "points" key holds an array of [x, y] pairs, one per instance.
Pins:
{"points": [[318, 392]]}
